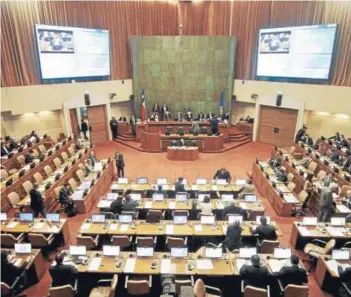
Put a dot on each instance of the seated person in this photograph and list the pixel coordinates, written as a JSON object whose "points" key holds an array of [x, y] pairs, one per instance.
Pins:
{"points": [[179, 117], [62, 274], [248, 188], [336, 137], [222, 174], [116, 206], [342, 141], [255, 275], [13, 144], [329, 179], [281, 174], [293, 275], [308, 140], [345, 277], [35, 135], [179, 186], [300, 134], [161, 191], [88, 167], [9, 271], [334, 155], [92, 158], [347, 161], [195, 126], [233, 236], [201, 116], [130, 204], [5, 149], [234, 208], [205, 207], [347, 199], [264, 231], [322, 148], [65, 196], [276, 161], [306, 160], [29, 157]]}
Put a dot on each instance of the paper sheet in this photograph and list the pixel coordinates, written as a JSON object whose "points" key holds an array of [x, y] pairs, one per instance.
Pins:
{"points": [[342, 208], [204, 264], [333, 266], [85, 226], [129, 266], [94, 264], [165, 187], [77, 195], [169, 229], [173, 188], [224, 228], [166, 266], [113, 227], [38, 225], [335, 231], [194, 187], [304, 231], [276, 265], [198, 228], [290, 198], [12, 225], [115, 186], [172, 205], [123, 227], [148, 204], [243, 205], [214, 188]]}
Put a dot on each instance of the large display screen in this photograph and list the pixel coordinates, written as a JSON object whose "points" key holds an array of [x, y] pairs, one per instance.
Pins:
{"points": [[296, 52], [67, 52]]}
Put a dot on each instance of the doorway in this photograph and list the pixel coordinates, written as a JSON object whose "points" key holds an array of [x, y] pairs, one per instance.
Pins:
{"points": [[97, 119]]}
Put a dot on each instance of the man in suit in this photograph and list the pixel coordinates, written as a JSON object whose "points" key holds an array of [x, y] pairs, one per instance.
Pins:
{"points": [[255, 275], [306, 160], [120, 164], [210, 115], [233, 236], [165, 112], [187, 112], [336, 137], [281, 174], [9, 271], [234, 208], [161, 191], [214, 124], [65, 196], [308, 140], [300, 134], [201, 116], [29, 157], [84, 128], [222, 174], [347, 162], [179, 186], [276, 161], [342, 141], [329, 179], [326, 202], [129, 204], [116, 206], [156, 108], [63, 274], [114, 127], [179, 117], [247, 188], [293, 275], [132, 123], [264, 231], [36, 201]]}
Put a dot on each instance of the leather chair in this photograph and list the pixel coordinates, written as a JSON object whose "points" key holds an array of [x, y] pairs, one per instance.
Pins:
{"points": [[109, 215], [81, 166], [200, 290], [317, 248], [155, 214], [291, 150], [80, 175], [5, 290], [9, 240], [254, 214], [66, 291], [320, 175], [312, 167], [48, 170], [38, 177], [106, 288], [14, 199], [138, 285], [71, 151], [180, 131], [290, 177], [73, 184], [172, 242], [35, 154], [250, 291], [267, 246], [346, 288], [21, 160], [57, 162], [42, 149], [291, 186], [88, 241], [4, 174], [297, 207], [293, 290], [183, 282], [39, 240], [27, 186], [168, 130], [123, 241], [64, 156], [146, 241]]}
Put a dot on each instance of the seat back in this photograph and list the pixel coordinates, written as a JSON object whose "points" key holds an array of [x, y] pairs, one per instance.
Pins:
{"points": [[48, 170], [138, 286], [312, 166], [329, 246], [291, 150], [27, 186], [5, 290], [4, 174], [66, 291], [250, 291], [181, 213], [199, 288], [73, 184], [57, 162], [35, 154], [71, 151], [113, 285], [38, 177], [57, 191], [321, 174], [267, 246], [13, 198], [21, 160], [154, 215], [291, 186], [37, 240], [302, 196], [122, 241], [290, 177], [179, 283], [42, 148], [173, 242], [81, 166], [344, 190], [109, 215], [64, 156], [88, 241], [8, 240], [296, 291], [80, 175], [145, 241]]}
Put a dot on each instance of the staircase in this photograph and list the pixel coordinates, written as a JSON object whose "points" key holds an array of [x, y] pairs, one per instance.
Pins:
{"points": [[126, 137]]}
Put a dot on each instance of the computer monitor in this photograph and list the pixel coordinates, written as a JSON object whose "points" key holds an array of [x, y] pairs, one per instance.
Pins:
{"points": [[201, 181], [341, 254], [250, 198], [3, 216], [259, 217], [337, 221], [185, 181], [142, 180], [233, 218], [53, 217], [162, 181], [77, 250], [240, 182], [158, 197], [208, 220], [179, 252], [145, 251], [247, 252], [202, 196], [282, 253], [309, 221], [23, 248], [26, 217], [111, 196], [135, 196], [221, 182], [110, 250], [125, 218], [214, 252], [181, 197], [98, 218], [227, 197], [178, 220], [122, 180]]}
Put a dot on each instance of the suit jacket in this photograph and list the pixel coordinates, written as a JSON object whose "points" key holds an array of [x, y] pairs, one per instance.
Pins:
{"points": [[201, 116], [116, 207], [309, 141], [220, 175], [282, 177], [84, 127], [64, 194], [335, 157], [4, 151], [265, 232], [9, 272], [232, 209], [347, 163], [299, 135], [179, 187], [255, 276], [327, 181], [343, 142], [293, 275], [36, 200], [28, 159], [156, 109], [63, 275], [345, 275], [113, 124], [214, 123], [233, 237], [120, 162], [195, 126], [164, 109], [130, 206], [326, 200]]}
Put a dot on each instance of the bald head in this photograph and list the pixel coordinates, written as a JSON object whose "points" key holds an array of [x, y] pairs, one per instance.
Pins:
{"points": [[333, 187]]}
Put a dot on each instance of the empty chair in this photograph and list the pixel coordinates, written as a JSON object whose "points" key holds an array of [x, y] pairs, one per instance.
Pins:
{"points": [[64, 156], [35, 154], [27, 186], [106, 288], [9, 240], [42, 148], [73, 184], [48, 170], [290, 177], [80, 175], [200, 290], [291, 150], [183, 281], [39, 240], [138, 285], [89, 242], [291, 186], [81, 166], [57, 162], [66, 290], [318, 248], [297, 207], [312, 167], [146, 241], [251, 291], [173, 242], [268, 246], [4, 174], [13, 199], [155, 215], [321, 174], [38, 177], [294, 290], [71, 151], [122, 241], [21, 160]]}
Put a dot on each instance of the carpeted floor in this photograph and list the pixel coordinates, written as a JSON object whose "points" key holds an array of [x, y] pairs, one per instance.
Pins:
{"points": [[237, 161]]}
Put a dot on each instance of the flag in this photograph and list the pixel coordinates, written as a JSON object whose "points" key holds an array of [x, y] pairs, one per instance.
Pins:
{"points": [[142, 106], [221, 102]]}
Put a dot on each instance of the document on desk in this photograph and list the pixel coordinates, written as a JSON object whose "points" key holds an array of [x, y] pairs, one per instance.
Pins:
{"points": [[336, 231], [214, 188], [275, 265], [290, 198], [173, 188], [84, 185], [98, 167], [12, 224], [38, 225], [123, 227], [172, 205], [219, 205], [77, 195], [194, 187], [166, 266], [104, 203], [113, 227], [204, 264], [85, 226], [94, 264], [148, 204], [198, 228], [304, 231], [165, 187], [129, 266], [169, 229], [342, 208], [243, 205]]}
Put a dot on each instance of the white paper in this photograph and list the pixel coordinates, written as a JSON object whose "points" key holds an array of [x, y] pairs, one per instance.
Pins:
{"points": [[169, 229], [12, 225], [172, 205], [84, 185], [98, 167], [77, 195], [214, 188], [165, 187], [194, 187], [166, 266], [336, 231], [134, 186], [148, 204], [276, 265], [304, 231], [198, 228], [113, 227], [333, 266], [129, 266], [224, 228], [243, 205], [85, 226], [342, 208], [204, 264], [94, 264], [38, 225], [123, 227], [290, 198]]}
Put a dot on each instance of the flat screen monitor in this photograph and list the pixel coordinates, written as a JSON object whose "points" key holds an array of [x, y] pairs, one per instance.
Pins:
{"points": [[233, 218], [23, 248], [162, 181], [341, 254], [250, 198], [282, 253], [179, 252], [309, 221], [125, 218], [77, 250], [227, 197], [142, 180], [26, 217], [53, 217], [240, 182], [337, 221], [201, 181], [158, 197], [208, 220], [145, 251], [201, 197], [3, 216], [111, 196], [258, 218], [247, 252], [178, 220], [122, 180], [181, 197], [212, 252], [221, 182], [98, 218], [110, 250]]}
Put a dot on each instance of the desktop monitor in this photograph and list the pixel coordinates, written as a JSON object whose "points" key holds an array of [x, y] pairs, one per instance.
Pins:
{"points": [[234, 218], [145, 251], [250, 198], [26, 217], [185, 181], [158, 197], [247, 252], [98, 218], [179, 252], [23, 248], [125, 218], [77, 250], [122, 180], [208, 220], [110, 250], [337, 221], [259, 217], [202, 196], [142, 180], [162, 181], [181, 197], [240, 182], [201, 181], [178, 220], [309, 221], [221, 182], [111, 196], [3, 216], [213, 252], [53, 217], [282, 253], [227, 197], [135, 196], [341, 254]]}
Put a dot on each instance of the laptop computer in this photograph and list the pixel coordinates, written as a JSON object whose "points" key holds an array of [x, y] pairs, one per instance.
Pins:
{"points": [[122, 180], [3, 216], [247, 252], [125, 218], [259, 217], [98, 218], [145, 251], [111, 196], [77, 250], [309, 221], [158, 197], [201, 181], [142, 180], [202, 196], [341, 254], [208, 220], [337, 221], [179, 220], [162, 181], [250, 198], [135, 196], [53, 217], [179, 252], [282, 253], [234, 218], [213, 252], [181, 197], [26, 217], [110, 250], [227, 197], [240, 182], [23, 248]]}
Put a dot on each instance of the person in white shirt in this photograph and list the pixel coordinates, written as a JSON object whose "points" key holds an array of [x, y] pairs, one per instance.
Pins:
{"points": [[206, 207]]}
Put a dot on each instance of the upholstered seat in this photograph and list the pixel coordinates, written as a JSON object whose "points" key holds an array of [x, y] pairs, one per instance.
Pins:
{"points": [[106, 288], [200, 290], [250, 291], [138, 285], [268, 246]]}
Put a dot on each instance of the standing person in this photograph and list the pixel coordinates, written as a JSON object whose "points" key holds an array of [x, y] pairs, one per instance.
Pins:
{"points": [[114, 127], [300, 133], [36, 201], [120, 164], [195, 126], [214, 123], [132, 123], [326, 203], [84, 128], [92, 158], [179, 186], [222, 174], [308, 188]]}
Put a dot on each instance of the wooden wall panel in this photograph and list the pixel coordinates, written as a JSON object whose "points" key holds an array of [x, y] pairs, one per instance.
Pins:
{"points": [[97, 121]]}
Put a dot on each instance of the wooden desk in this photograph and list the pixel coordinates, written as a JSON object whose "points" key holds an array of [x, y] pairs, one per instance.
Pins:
{"points": [[150, 142], [205, 143], [186, 154], [245, 127]]}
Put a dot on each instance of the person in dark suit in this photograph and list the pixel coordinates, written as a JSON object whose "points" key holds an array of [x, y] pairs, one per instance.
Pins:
{"points": [[29, 157], [281, 174], [161, 191], [264, 230], [329, 179], [201, 116], [179, 186], [276, 161], [9, 271], [63, 274], [36, 201], [13, 144], [84, 128], [4, 150], [233, 236], [255, 275], [342, 141], [132, 123], [129, 204], [223, 174], [156, 108], [165, 114], [347, 162], [300, 134], [345, 277], [210, 115], [334, 156], [116, 206], [35, 135], [308, 139], [234, 208], [214, 124], [92, 158], [326, 202], [336, 137], [293, 275], [114, 127], [120, 164], [65, 194]]}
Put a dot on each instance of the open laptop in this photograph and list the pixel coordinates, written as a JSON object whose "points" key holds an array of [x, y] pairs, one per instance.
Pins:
{"points": [[125, 218], [259, 222], [3, 216], [282, 253], [162, 181], [179, 252], [202, 196], [181, 197], [240, 182], [213, 252], [201, 181], [111, 196], [341, 254], [26, 217], [337, 221], [145, 251], [158, 197], [309, 221], [98, 218], [208, 220], [23, 248], [233, 218], [77, 250], [122, 180], [53, 217], [221, 182], [142, 180], [180, 220], [110, 250], [247, 252], [250, 198], [227, 197], [135, 196]]}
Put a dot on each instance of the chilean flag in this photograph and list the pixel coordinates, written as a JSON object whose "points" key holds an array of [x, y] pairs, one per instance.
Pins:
{"points": [[142, 106]]}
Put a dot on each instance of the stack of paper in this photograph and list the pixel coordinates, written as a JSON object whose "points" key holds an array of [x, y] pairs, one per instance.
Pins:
{"points": [[148, 204], [198, 228], [85, 226], [113, 226], [123, 227], [169, 229], [342, 208], [166, 266], [275, 265], [104, 203], [204, 264], [129, 266], [336, 231], [304, 231], [290, 198], [77, 195], [12, 225], [94, 264], [172, 205], [38, 225]]}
